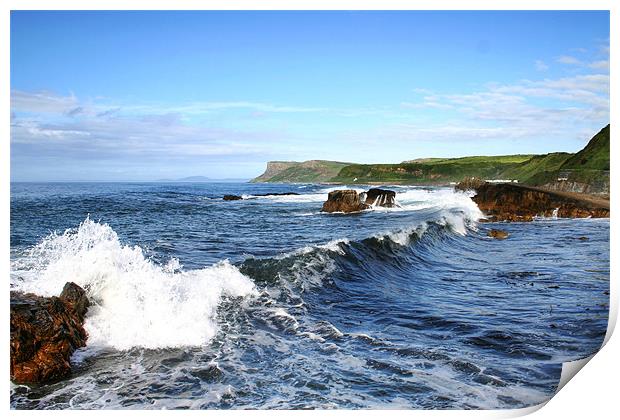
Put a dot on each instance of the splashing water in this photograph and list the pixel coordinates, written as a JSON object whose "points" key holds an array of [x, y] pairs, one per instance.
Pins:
{"points": [[136, 303]]}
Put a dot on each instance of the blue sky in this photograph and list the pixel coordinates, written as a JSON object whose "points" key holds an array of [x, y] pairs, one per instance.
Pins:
{"points": [[148, 95]]}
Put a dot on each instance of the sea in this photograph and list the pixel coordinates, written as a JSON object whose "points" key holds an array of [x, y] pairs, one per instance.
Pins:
{"points": [[268, 303]]}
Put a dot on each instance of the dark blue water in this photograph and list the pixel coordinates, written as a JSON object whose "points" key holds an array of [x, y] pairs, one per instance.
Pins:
{"points": [[268, 303]]}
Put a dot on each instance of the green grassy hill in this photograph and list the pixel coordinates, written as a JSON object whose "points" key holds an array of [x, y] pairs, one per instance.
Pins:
{"points": [[536, 169], [595, 156], [585, 171], [431, 171]]}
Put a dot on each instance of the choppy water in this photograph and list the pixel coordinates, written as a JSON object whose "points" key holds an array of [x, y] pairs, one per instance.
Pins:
{"points": [[267, 303]]}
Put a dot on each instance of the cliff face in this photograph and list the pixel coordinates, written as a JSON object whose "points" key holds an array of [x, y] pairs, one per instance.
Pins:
{"points": [[273, 169], [308, 171], [510, 202]]}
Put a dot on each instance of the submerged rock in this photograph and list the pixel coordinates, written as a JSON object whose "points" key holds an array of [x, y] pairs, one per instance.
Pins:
{"points": [[380, 197], [45, 332], [230, 197], [517, 203], [268, 194], [498, 234]]}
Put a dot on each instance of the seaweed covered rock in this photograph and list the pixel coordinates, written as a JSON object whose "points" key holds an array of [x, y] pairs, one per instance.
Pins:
{"points": [[45, 331]]}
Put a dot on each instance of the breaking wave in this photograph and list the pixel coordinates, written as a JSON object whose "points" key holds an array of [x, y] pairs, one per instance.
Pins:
{"points": [[136, 302]]}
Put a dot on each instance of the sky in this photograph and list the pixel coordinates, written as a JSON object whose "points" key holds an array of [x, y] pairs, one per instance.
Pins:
{"points": [[140, 96]]}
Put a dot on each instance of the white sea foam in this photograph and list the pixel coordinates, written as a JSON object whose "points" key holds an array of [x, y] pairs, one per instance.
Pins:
{"points": [[136, 302]]}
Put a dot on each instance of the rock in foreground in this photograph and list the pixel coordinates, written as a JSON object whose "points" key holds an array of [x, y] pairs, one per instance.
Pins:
{"points": [[349, 201], [512, 202], [45, 332]]}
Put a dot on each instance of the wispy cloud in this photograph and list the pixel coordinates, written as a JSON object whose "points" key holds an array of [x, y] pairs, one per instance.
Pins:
{"points": [[600, 65], [45, 125], [568, 59], [566, 108], [541, 66]]}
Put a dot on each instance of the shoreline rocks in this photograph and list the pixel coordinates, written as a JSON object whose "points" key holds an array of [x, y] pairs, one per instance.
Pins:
{"points": [[45, 331], [349, 201], [519, 203]]}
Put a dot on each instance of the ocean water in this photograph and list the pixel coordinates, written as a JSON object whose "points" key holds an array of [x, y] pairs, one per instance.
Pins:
{"points": [[268, 303]]}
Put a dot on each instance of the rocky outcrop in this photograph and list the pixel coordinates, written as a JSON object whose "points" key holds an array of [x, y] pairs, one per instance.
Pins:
{"points": [[345, 201], [349, 201], [380, 197], [45, 331], [469, 184], [513, 202]]}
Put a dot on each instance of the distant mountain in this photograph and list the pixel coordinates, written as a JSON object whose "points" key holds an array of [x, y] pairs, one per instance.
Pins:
{"points": [[308, 171], [585, 171]]}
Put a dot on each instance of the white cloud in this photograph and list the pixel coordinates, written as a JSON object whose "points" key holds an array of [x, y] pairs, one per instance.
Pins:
{"points": [[41, 102], [568, 59]]}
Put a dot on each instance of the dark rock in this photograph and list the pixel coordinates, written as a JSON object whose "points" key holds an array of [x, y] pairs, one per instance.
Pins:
{"points": [[380, 197], [518, 203], [74, 296], [230, 197], [268, 194], [349, 201], [44, 334], [346, 201], [497, 234]]}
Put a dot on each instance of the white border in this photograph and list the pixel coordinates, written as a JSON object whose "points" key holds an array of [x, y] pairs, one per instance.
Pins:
{"points": [[592, 394]]}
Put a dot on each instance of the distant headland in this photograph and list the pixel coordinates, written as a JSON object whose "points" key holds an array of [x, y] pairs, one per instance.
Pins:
{"points": [[586, 171]]}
